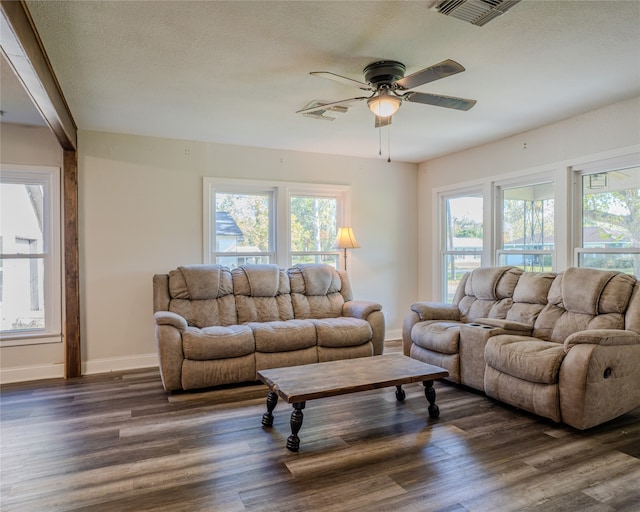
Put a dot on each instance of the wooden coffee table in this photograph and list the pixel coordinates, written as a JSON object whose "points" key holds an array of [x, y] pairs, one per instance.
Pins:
{"points": [[297, 384]]}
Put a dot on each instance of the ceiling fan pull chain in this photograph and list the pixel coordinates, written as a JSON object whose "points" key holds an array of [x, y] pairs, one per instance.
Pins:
{"points": [[388, 143], [380, 141]]}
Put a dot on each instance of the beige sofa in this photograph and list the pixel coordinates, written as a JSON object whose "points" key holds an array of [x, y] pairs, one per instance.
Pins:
{"points": [[219, 326], [563, 346]]}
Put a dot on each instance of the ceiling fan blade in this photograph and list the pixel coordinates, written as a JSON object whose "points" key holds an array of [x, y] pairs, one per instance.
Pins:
{"points": [[383, 121], [343, 80], [325, 106], [436, 72], [439, 101]]}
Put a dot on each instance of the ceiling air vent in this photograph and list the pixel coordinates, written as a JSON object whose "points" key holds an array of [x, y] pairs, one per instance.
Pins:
{"points": [[476, 12], [320, 113]]}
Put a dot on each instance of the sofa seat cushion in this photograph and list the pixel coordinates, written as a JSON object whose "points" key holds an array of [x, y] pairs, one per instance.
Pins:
{"points": [[525, 358], [442, 337], [217, 342], [342, 331], [283, 336]]}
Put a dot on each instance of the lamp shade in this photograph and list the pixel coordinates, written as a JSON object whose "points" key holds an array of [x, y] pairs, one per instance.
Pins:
{"points": [[383, 104], [346, 239]]}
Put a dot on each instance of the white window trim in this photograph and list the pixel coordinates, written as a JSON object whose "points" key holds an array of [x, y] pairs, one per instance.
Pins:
{"points": [[282, 192], [617, 250], [49, 177]]}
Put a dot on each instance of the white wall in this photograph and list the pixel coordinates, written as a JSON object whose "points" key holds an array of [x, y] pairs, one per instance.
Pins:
{"points": [[30, 145], [597, 134], [140, 202]]}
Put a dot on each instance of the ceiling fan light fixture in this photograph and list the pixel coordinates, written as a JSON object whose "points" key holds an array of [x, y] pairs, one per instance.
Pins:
{"points": [[383, 104]]}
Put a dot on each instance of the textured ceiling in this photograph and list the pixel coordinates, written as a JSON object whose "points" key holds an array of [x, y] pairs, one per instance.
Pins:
{"points": [[236, 72]]}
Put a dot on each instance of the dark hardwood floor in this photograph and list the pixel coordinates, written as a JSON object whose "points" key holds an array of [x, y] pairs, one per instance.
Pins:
{"points": [[118, 442]]}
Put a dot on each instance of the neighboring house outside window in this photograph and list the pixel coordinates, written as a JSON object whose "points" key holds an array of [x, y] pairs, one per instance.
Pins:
{"points": [[243, 227], [30, 262], [230, 239]]}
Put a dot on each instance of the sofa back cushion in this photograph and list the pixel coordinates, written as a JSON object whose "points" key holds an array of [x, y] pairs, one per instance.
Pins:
{"points": [[203, 295], [488, 293], [262, 293], [584, 298], [316, 291], [530, 296]]}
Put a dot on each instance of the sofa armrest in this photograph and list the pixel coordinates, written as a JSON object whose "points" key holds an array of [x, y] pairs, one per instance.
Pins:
{"points": [[372, 313], [360, 308], [605, 337], [599, 376], [169, 328], [436, 311], [411, 319], [508, 325], [169, 318]]}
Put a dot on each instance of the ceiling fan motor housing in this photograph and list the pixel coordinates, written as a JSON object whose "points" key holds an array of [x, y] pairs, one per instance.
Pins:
{"points": [[384, 72]]}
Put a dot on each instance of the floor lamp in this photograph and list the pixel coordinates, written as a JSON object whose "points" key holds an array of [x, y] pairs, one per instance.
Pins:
{"points": [[345, 240]]}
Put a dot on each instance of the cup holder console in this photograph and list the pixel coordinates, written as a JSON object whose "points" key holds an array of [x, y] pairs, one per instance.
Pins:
{"points": [[488, 327]]}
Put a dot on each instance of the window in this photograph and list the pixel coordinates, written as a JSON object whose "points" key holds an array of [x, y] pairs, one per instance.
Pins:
{"points": [[609, 202], [463, 239], [526, 222], [313, 228], [243, 228], [272, 222], [30, 274]]}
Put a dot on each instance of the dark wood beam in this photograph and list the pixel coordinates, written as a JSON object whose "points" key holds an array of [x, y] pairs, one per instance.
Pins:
{"points": [[25, 53], [72, 362]]}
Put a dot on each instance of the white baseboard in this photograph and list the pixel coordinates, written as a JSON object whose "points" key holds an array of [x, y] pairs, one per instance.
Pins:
{"points": [[393, 334], [27, 373], [56, 371], [112, 364], [115, 364]]}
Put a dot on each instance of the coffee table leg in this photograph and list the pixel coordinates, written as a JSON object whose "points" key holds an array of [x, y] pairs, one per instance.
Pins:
{"points": [[267, 417], [430, 393], [400, 394], [293, 441]]}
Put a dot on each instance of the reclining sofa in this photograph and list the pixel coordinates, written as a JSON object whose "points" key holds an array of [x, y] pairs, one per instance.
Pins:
{"points": [[217, 326], [563, 346]]}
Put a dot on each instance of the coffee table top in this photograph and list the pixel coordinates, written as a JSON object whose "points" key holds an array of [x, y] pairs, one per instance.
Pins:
{"points": [[297, 384]]}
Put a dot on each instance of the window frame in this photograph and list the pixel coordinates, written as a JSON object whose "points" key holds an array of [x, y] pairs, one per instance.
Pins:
{"points": [[615, 163], [342, 197], [539, 178], [443, 252], [566, 177], [49, 178], [211, 254], [280, 233]]}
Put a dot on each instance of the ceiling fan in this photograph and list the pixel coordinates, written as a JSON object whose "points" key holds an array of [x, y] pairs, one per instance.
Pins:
{"points": [[386, 80]]}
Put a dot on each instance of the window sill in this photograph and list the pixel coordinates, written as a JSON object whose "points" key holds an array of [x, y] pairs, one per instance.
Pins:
{"points": [[29, 339]]}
